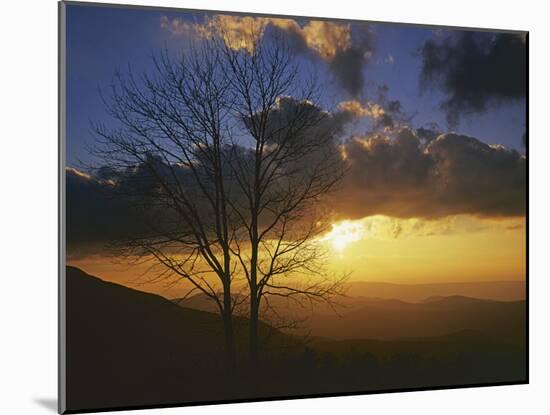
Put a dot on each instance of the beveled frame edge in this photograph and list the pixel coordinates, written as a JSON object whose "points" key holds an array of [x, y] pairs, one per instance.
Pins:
{"points": [[62, 260]]}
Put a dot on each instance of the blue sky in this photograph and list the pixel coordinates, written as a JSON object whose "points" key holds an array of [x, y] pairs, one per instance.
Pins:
{"points": [[101, 40]]}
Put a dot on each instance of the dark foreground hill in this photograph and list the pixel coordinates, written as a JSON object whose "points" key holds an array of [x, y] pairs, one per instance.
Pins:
{"points": [[121, 342], [129, 348]]}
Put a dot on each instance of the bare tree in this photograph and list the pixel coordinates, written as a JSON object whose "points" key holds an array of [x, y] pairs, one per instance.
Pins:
{"points": [[229, 155], [293, 163], [173, 139]]}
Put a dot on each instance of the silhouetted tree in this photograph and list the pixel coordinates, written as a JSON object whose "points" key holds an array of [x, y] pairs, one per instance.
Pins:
{"points": [[229, 155]]}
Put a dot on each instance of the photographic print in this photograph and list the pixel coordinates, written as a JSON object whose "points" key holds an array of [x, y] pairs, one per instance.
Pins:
{"points": [[260, 207]]}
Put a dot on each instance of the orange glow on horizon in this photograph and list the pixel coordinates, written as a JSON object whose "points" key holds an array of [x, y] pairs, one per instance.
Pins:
{"points": [[384, 249]]}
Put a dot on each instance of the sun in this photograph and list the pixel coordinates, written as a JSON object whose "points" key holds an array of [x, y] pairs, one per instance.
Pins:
{"points": [[344, 233]]}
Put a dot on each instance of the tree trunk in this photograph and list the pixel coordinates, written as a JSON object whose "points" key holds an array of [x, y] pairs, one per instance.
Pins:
{"points": [[254, 300], [253, 335], [229, 337]]}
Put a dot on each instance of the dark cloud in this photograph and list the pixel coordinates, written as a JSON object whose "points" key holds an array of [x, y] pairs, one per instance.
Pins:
{"points": [[346, 62], [394, 115], [112, 206], [428, 133], [475, 70], [473, 177], [347, 66], [291, 114], [452, 174], [93, 214], [311, 136], [385, 121], [394, 106], [118, 205]]}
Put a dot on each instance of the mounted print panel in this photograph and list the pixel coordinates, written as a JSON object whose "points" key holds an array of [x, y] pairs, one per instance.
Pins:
{"points": [[261, 207]]}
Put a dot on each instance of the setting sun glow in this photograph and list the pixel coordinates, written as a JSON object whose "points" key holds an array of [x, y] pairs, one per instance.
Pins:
{"points": [[344, 233]]}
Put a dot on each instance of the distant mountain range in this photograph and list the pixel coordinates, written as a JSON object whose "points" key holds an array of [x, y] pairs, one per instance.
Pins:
{"points": [[378, 317], [414, 293]]}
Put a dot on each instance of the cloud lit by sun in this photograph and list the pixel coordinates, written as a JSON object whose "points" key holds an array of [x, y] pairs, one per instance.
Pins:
{"points": [[344, 233]]}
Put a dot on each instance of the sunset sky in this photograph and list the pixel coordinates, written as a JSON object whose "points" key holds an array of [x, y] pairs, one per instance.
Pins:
{"points": [[432, 123]]}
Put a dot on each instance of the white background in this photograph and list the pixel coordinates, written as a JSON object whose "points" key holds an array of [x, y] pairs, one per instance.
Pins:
{"points": [[28, 205]]}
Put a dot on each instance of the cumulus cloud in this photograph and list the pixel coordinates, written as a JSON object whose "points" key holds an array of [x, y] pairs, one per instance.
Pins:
{"points": [[356, 109], [428, 133], [452, 174], [328, 39], [345, 49], [475, 70], [386, 114]]}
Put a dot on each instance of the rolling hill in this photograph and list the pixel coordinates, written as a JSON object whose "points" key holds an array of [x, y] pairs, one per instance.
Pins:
{"points": [[128, 348], [121, 341], [413, 293], [386, 319]]}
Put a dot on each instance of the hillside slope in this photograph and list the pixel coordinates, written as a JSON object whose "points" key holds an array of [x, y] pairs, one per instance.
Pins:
{"points": [[126, 347]]}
